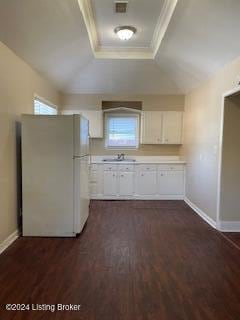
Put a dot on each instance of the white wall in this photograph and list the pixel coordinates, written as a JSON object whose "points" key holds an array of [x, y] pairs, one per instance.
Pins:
{"points": [[18, 84], [201, 137]]}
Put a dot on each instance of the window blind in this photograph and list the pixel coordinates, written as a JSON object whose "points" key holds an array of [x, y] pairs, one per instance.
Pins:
{"points": [[122, 131], [43, 108]]}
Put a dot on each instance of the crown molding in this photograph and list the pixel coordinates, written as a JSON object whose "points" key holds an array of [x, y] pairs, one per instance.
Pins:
{"points": [[162, 24], [123, 53], [87, 12], [149, 53]]}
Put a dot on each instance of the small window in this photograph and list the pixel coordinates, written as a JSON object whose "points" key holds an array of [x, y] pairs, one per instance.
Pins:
{"points": [[41, 107], [122, 131]]}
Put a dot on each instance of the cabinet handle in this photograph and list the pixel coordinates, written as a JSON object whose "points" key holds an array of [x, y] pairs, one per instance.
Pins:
{"points": [[161, 174], [142, 174], [122, 175]]}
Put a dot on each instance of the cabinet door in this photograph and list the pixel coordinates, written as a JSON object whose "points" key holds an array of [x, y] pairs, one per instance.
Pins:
{"points": [[170, 182], [172, 127], [110, 183], [151, 127], [126, 183], [94, 180], [93, 188], [147, 183], [95, 118], [94, 183]]}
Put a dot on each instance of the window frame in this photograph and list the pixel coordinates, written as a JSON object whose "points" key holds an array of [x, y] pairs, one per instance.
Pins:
{"points": [[45, 101], [127, 115]]}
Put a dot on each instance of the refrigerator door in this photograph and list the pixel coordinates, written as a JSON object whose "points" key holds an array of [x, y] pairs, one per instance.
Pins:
{"points": [[48, 187], [81, 136], [81, 192]]}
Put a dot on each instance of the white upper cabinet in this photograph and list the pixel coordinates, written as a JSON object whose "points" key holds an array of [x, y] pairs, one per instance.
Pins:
{"points": [[151, 127], [172, 127], [161, 127], [95, 118]]}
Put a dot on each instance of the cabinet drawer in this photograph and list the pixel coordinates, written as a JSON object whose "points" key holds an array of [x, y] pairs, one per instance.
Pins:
{"points": [[147, 167], [167, 167], [126, 167], [110, 167]]}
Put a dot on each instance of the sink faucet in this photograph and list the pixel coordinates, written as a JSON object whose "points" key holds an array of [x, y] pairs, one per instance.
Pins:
{"points": [[120, 156]]}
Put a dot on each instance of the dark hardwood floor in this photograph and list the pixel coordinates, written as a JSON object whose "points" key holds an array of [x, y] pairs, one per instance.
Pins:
{"points": [[234, 237], [136, 260]]}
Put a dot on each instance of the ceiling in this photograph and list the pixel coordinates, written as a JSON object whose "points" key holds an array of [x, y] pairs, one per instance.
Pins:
{"points": [[52, 36], [141, 14]]}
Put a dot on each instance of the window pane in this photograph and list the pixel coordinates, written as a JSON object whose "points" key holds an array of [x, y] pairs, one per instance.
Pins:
{"points": [[122, 131], [42, 108]]}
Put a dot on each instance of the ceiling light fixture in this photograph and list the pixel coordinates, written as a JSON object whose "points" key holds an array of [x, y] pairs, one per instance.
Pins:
{"points": [[125, 32]]}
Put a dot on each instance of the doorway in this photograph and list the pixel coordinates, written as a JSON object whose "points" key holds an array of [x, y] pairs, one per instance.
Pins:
{"points": [[229, 193]]}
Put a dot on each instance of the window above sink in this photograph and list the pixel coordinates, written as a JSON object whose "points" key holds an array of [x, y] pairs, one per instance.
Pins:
{"points": [[122, 131]]}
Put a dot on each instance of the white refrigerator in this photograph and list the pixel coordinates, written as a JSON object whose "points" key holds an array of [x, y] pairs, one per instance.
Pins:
{"points": [[55, 175]]}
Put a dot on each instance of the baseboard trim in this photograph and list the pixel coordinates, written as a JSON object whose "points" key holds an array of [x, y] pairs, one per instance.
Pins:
{"points": [[136, 197], [229, 226], [7, 242], [202, 214]]}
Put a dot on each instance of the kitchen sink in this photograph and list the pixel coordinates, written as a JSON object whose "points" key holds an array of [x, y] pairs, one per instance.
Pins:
{"points": [[118, 160]]}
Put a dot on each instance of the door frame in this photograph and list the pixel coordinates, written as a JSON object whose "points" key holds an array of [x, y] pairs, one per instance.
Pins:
{"points": [[225, 95]]}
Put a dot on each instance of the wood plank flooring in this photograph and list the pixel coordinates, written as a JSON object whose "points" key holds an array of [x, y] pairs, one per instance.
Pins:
{"points": [[135, 260]]}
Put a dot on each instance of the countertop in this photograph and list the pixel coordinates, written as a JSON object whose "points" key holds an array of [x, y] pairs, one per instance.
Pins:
{"points": [[139, 160]]}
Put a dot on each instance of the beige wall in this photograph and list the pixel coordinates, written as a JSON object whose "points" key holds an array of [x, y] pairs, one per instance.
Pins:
{"points": [[201, 137], [18, 84], [150, 102]]}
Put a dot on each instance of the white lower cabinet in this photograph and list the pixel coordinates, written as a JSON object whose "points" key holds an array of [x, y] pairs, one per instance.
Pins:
{"points": [[138, 181], [94, 180], [170, 182], [93, 189], [146, 184], [126, 183], [110, 183], [118, 184]]}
